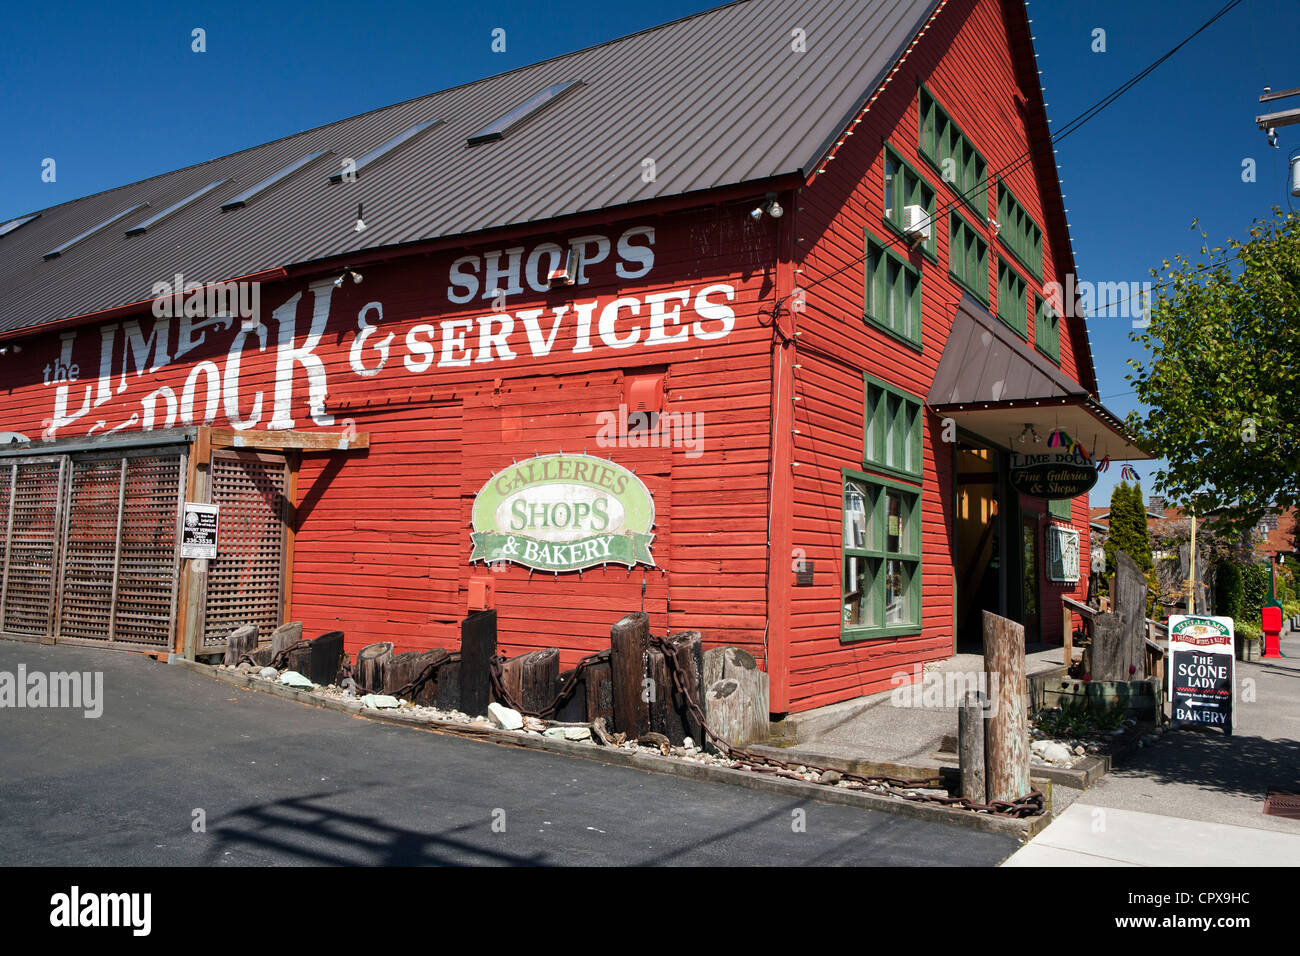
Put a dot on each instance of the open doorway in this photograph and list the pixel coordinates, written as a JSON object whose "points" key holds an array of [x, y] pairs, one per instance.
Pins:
{"points": [[986, 541]]}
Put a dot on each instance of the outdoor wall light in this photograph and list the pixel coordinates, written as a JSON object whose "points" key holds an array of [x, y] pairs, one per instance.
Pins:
{"points": [[356, 277], [770, 206]]}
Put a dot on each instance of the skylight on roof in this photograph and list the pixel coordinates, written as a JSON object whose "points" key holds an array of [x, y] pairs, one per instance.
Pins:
{"points": [[243, 198], [499, 128], [13, 224], [153, 220], [60, 250], [384, 149]]}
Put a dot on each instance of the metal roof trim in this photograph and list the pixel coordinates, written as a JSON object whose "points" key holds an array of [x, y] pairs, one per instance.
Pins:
{"points": [[137, 439]]}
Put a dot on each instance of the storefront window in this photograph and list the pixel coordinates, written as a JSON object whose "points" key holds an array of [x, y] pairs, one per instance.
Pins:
{"points": [[882, 594]]}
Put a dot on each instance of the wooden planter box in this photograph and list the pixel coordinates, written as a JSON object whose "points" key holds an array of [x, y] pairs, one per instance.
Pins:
{"points": [[1249, 650], [1141, 698]]}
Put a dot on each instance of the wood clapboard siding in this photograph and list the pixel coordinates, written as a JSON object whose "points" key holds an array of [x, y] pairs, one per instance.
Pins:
{"points": [[967, 60], [382, 536]]}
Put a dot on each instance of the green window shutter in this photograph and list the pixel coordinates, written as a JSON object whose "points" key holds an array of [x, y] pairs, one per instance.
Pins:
{"points": [[1047, 330], [892, 292]]}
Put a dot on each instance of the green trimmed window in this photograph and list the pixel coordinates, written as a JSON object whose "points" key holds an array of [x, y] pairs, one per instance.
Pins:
{"points": [[1013, 304], [968, 257], [881, 577], [904, 186], [952, 155], [893, 293], [893, 430], [1060, 508], [1047, 329], [1019, 233]]}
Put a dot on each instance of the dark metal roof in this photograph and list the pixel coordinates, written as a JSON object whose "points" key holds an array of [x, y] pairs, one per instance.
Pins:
{"points": [[983, 361], [716, 99]]}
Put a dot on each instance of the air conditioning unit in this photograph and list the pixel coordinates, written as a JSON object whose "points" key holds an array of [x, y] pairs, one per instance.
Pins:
{"points": [[916, 222], [569, 274]]}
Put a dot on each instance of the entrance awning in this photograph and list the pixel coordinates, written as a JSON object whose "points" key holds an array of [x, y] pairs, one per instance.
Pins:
{"points": [[994, 384]]}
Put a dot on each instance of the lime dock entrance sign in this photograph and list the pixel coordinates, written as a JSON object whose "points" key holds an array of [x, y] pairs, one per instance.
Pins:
{"points": [[563, 513]]}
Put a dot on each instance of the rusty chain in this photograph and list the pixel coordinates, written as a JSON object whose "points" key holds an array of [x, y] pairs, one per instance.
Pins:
{"points": [[503, 694], [1029, 805]]}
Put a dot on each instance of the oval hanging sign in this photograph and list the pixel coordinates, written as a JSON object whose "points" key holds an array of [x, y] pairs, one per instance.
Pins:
{"points": [[563, 513], [1053, 475]]}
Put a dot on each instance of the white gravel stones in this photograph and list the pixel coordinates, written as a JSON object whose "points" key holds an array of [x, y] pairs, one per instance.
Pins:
{"points": [[1052, 752], [504, 717]]}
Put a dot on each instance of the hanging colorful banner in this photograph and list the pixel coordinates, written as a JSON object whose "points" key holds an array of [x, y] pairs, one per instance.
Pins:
{"points": [[563, 513]]}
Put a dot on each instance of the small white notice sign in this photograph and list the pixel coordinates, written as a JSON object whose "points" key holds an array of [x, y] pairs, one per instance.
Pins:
{"points": [[199, 531]]}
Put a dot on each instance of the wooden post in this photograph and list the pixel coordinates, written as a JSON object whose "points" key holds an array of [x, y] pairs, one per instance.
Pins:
{"points": [[325, 657], [600, 692], [399, 670], [478, 645], [372, 662], [665, 718], [284, 636], [688, 651], [1067, 635], [1006, 729], [531, 679], [729, 711], [970, 748], [241, 641], [573, 710], [449, 683], [427, 695], [194, 582], [629, 640], [732, 663]]}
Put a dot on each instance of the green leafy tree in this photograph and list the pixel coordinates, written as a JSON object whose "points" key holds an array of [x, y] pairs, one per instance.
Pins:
{"points": [[1229, 589], [1128, 527], [1219, 374]]}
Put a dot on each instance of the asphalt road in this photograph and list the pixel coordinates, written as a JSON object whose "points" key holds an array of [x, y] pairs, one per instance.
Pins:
{"points": [[280, 783]]}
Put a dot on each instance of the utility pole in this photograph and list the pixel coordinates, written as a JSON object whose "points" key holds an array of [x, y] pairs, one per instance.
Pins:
{"points": [[1271, 121], [1191, 584]]}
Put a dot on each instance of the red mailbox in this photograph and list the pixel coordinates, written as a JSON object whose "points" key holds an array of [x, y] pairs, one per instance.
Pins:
{"points": [[1271, 619]]}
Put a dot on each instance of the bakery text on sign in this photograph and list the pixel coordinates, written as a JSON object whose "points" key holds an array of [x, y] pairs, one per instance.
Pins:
{"points": [[129, 354]]}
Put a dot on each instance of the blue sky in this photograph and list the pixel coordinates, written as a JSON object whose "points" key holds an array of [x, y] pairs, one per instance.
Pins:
{"points": [[115, 95]]}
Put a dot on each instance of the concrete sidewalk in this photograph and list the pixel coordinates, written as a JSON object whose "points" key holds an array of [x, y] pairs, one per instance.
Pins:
{"points": [[873, 728], [1208, 789], [1086, 835]]}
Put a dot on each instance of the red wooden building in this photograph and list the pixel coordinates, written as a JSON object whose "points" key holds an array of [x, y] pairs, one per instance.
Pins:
{"points": [[791, 264]]}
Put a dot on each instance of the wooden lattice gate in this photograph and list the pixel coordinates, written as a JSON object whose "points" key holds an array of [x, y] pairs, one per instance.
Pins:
{"points": [[33, 500], [245, 582], [89, 547]]}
